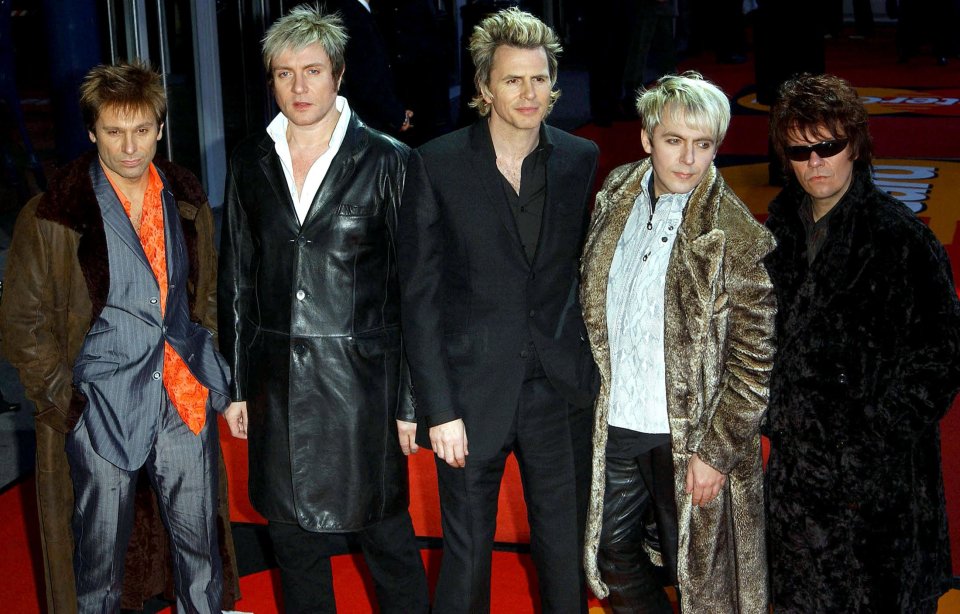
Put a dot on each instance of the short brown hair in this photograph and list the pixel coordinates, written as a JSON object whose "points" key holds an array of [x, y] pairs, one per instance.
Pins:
{"points": [[808, 103], [512, 28], [126, 86]]}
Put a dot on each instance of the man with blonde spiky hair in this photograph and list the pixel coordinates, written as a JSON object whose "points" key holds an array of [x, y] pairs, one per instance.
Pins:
{"points": [[310, 321], [680, 312], [491, 227]]}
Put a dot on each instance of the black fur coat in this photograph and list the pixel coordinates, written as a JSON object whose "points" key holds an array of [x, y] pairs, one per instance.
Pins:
{"points": [[868, 363]]}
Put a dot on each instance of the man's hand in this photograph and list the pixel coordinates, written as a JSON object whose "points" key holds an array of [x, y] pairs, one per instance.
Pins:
{"points": [[236, 417], [406, 125], [408, 437], [449, 442], [703, 481]]}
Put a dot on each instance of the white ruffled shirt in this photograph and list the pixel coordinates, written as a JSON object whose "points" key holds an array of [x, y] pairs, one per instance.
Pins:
{"points": [[635, 312]]}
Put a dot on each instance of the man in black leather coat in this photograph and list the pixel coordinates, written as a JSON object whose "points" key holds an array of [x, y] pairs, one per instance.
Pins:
{"points": [[310, 314]]}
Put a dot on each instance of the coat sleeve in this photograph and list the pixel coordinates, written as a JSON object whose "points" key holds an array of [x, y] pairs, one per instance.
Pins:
{"points": [[29, 340], [744, 387], [420, 257], [406, 403], [235, 290], [205, 306], [919, 387]]}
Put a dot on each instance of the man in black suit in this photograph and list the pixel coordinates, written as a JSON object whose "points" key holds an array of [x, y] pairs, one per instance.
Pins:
{"points": [[491, 229]]}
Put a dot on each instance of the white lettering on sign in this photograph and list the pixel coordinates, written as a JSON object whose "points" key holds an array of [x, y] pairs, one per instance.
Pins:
{"points": [[943, 102], [895, 181]]}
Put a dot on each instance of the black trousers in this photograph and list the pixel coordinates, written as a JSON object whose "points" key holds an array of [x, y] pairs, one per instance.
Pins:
{"points": [[551, 441], [391, 553], [638, 489]]}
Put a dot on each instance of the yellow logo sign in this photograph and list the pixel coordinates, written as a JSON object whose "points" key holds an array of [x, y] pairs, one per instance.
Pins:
{"points": [[890, 101], [928, 187]]}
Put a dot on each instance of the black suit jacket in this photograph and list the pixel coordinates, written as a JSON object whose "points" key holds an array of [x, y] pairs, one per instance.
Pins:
{"points": [[471, 300]]}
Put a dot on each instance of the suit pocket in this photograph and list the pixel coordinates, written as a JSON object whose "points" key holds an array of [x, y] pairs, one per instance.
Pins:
{"points": [[94, 370], [358, 209]]}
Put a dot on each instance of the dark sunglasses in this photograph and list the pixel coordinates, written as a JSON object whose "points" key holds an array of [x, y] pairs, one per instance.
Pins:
{"points": [[825, 149]]}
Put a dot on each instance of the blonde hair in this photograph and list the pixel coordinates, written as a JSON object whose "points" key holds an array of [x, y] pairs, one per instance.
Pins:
{"points": [[513, 28], [303, 26], [688, 98], [126, 86]]}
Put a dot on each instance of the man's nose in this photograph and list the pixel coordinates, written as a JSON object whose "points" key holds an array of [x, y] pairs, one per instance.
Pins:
{"points": [[129, 143], [299, 84], [815, 160], [688, 155], [528, 90]]}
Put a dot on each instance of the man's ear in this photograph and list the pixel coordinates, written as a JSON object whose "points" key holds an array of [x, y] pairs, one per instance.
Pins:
{"points": [[485, 92], [91, 136], [340, 78], [645, 141], [160, 131]]}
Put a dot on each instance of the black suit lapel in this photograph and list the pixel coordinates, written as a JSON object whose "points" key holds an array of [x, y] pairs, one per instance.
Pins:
{"points": [[559, 167], [484, 160]]}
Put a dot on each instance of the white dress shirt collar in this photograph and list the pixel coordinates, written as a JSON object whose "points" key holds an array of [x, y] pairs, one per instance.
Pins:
{"points": [[278, 132]]}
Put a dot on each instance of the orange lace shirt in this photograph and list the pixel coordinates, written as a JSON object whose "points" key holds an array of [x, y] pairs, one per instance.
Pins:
{"points": [[188, 395]]}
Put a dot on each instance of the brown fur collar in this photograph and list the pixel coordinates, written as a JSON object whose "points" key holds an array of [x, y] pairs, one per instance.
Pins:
{"points": [[71, 201]]}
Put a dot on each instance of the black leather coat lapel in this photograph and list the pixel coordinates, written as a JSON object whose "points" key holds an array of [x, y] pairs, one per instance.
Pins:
{"points": [[341, 168], [273, 171]]}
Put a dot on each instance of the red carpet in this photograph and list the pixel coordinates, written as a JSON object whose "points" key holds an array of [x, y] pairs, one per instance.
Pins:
{"points": [[20, 577]]}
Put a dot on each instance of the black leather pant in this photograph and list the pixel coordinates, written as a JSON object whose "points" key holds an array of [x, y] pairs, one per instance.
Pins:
{"points": [[638, 507]]}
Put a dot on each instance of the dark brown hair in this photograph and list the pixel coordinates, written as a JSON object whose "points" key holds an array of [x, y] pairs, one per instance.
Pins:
{"points": [[128, 87], [808, 104]]}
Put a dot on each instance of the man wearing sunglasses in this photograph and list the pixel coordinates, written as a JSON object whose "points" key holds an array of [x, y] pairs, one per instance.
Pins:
{"points": [[868, 363]]}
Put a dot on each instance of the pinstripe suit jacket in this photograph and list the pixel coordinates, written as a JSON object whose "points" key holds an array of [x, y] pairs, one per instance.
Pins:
{"points": [[120, 365]]}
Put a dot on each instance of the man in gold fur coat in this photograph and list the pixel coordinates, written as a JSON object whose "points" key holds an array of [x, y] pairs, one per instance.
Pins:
{"points": [[680, 313]]}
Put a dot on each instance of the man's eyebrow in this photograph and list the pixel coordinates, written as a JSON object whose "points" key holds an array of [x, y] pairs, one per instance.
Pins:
{"points": [[680, 136], [143, 125], [311, 65], [540, 74]]}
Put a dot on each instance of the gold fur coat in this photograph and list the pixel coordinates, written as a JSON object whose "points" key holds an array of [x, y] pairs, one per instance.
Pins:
{"points": [[718, 342]]}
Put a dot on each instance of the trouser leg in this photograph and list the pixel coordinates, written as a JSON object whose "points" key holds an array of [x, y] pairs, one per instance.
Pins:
{"points": [[548, 472], [390, 549], [468, 514], [184, 473], [305, 573], [581, 434], [102, 521], [656, 468], [624, 566]]}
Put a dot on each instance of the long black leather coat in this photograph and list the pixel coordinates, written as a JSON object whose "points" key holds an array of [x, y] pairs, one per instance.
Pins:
{"points": [[310, 322]]}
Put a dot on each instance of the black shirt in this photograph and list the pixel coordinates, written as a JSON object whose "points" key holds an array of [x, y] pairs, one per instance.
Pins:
{"points": [[527, 207], [816, 232]]}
